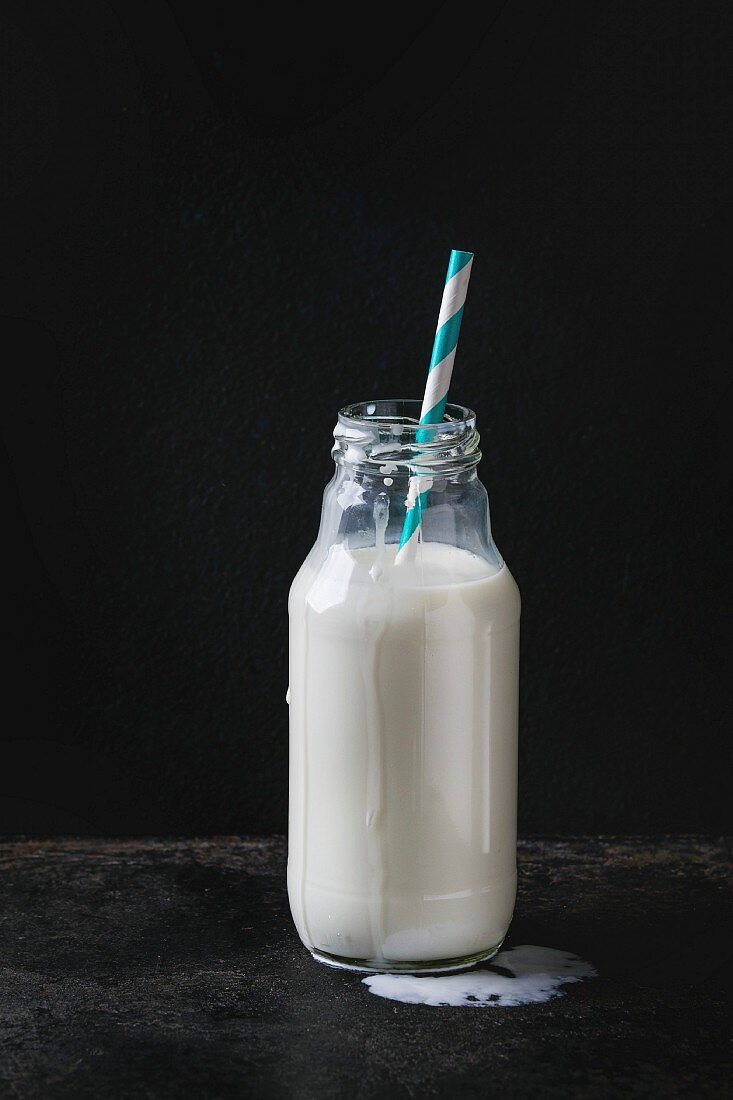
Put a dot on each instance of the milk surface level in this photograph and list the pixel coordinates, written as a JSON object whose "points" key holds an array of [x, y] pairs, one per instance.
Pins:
{"points": [[403, 756]]}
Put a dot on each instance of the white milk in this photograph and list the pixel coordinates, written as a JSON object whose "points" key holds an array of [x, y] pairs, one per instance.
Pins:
{"points": [[403, 755], [533, 975]]}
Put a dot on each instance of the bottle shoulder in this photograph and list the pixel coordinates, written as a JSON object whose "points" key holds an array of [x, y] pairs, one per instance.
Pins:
{"points": [[442, 578]]}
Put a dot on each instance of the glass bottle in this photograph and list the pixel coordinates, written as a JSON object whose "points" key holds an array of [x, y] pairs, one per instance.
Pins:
{"points": [[403, 705]]}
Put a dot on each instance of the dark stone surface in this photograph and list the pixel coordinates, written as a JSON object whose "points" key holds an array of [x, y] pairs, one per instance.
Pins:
{"points": [[165, 969], [214, 237]]}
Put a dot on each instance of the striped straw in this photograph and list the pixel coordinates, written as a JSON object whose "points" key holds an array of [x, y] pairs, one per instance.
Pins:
{"points": [[436, 389]]}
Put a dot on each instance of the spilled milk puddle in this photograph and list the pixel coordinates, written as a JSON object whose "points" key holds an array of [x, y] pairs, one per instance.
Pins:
{"points": [[518, 976]]}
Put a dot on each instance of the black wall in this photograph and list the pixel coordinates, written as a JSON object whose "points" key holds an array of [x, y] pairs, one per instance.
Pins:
{"points": [[213, 237]]}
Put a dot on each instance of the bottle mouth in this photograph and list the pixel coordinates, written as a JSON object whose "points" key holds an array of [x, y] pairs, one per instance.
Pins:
{"points": [[370, 434]]}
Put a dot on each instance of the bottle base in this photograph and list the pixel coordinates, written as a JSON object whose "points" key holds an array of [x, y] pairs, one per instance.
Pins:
{"points": [[430, 966]]}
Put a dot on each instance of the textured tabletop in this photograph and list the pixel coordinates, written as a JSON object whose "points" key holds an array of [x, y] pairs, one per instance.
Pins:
{"points": [[163, 968]]}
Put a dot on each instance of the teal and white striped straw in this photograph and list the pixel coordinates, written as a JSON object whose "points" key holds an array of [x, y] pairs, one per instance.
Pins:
{"points": [[436, 389]]}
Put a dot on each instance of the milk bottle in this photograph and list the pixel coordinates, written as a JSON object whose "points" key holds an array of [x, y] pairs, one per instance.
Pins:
{"points": [[403, 706]]}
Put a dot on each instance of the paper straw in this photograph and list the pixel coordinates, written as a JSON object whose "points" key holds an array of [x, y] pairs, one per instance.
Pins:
{"points": [[436, 389]]}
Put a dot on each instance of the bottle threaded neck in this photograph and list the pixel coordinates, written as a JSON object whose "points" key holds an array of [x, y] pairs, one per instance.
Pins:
{"points": [[372, 434]]}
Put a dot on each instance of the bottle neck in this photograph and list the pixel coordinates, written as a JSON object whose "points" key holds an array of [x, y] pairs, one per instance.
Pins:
{"points": [[386, 438], [387, 463]]}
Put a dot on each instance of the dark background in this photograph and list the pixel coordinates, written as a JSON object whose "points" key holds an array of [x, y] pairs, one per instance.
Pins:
{"points": [[214, 235]]}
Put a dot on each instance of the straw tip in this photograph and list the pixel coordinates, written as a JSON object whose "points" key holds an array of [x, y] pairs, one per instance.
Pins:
{"points": [[458, 261]]}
